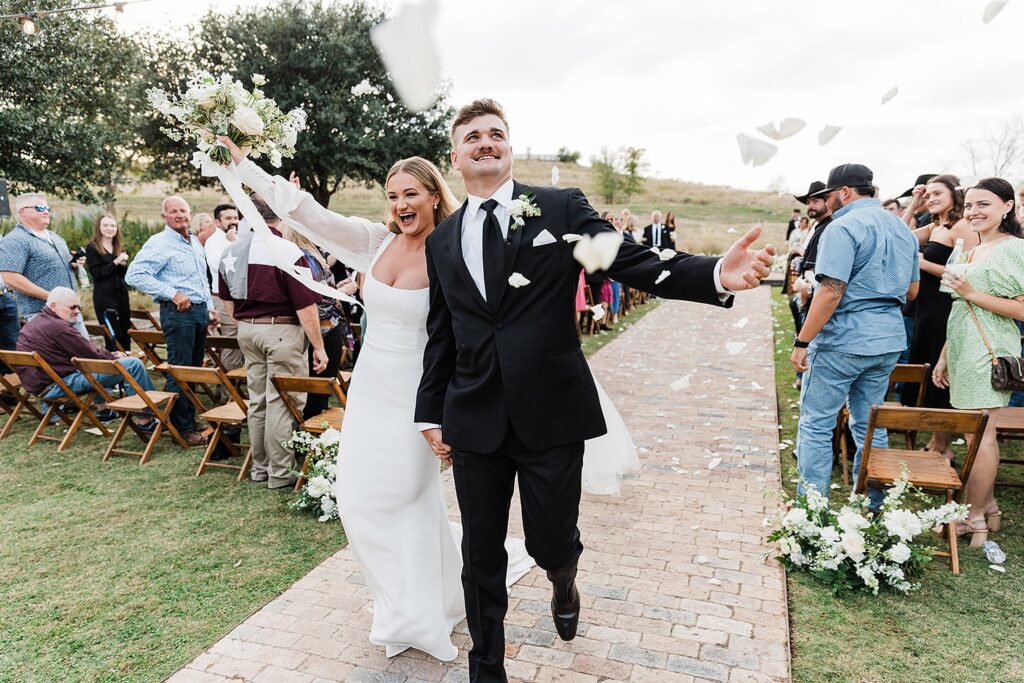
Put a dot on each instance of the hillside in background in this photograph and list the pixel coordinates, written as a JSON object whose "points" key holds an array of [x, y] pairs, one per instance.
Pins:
{"points": [[704, 213]]}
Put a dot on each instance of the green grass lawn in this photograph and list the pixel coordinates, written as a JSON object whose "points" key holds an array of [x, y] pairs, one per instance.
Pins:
{"points": [[956, 628], [116, 572]]}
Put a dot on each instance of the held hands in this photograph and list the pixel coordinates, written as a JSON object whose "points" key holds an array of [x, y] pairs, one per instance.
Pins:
{"points": [[442, 450], [743, 268]]}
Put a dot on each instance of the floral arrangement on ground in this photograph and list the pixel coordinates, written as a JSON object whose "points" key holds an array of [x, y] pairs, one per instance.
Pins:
{"points": [[321, 453], [855, 549]]}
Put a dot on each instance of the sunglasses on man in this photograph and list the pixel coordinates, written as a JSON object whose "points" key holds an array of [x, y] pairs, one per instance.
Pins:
{"points": [[39, 208]]}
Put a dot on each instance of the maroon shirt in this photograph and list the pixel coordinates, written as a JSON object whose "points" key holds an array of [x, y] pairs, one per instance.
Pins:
{"points": [[57, 342], [263, 290]]}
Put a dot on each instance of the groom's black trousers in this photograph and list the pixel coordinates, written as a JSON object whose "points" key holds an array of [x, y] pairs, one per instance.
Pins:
{"points": [[549, 489]]}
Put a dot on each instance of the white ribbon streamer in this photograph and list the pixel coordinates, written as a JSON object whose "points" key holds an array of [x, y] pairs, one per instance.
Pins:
{"points": [[228, 176]]}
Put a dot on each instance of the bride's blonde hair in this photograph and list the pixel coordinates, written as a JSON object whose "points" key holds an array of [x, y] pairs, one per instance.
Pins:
{"points": [[432, 180]]}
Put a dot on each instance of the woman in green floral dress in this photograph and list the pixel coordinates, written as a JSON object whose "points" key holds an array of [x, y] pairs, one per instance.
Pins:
{"points": [[994, 288]]}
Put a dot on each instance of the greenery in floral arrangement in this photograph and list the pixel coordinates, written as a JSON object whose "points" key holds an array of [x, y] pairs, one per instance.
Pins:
{"points": [[321, 452], [852, 549]]}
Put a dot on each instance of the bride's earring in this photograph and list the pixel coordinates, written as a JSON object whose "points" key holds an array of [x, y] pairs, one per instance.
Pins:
{"points": [[435, 208], [1004, 215]]}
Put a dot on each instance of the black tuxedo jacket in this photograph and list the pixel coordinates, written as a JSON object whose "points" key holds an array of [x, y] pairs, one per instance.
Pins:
{"points": [[666, 237], [518, 360]]}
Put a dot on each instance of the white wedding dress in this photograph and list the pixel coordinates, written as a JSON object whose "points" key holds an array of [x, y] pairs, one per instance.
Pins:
{"points": [[389, 491]]}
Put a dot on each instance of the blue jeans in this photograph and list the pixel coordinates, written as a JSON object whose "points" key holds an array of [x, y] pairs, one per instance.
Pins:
{"points": [[185, 332], [835, 378], [77, 382], [10, 324]]}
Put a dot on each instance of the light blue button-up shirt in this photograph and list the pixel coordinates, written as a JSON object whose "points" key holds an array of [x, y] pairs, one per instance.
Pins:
{"points": [[167, 264], [875, 254]]}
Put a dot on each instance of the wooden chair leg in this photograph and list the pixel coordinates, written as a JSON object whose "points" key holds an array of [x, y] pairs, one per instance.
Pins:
{"points": [[121, 429], [15, 412], [302, 476], [954, 555], [245, 465], [153, 438], [75, 424], [44, 423], [164, 418], [209, 448]]}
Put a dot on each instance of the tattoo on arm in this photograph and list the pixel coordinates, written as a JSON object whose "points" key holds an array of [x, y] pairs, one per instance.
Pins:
{"points": [[837, 286]]}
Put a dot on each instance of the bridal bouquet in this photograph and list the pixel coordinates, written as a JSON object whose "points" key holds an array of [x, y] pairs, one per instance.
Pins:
{"points": [[212, 106], [321, 452], [852, 550]]}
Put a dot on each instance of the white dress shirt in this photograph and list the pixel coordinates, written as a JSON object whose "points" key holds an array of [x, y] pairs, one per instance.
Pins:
{"points": [[473, 231], [214, 248], [656, 234]]}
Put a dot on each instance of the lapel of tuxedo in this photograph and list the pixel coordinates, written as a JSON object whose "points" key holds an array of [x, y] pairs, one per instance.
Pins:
{"points": [[458, 261], [512, 244]]}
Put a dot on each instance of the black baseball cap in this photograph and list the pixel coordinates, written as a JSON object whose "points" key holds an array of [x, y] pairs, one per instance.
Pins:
{"points": [[922, 179], [849, 175], [813, 190]]}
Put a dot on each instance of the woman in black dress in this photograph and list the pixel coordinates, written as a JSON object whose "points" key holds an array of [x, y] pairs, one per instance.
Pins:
{"points": [[945, 203], [107, 262]]}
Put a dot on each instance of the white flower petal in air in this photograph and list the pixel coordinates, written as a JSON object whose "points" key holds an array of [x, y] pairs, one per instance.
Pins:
{"points": [[597, 252], [517, 280], [787, 128], [735, 347], [754, 151], [714, 462], [571, 237], [661, 277], [406, 45], [992, 9], [554, 175], [731, 231], [892, 92], [666, 254], [598, 312], [826, 134], [741, 323]]}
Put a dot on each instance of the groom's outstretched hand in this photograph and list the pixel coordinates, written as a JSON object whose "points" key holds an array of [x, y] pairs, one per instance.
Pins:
{"points": [[744, 268], [442, 450]]}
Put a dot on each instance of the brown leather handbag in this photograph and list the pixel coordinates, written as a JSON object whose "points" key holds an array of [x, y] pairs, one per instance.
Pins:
{"points": [[1007, 371]]}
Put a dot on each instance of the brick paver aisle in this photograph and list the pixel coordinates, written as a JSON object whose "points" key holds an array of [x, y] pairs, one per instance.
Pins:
{"points": [[675, 582]]}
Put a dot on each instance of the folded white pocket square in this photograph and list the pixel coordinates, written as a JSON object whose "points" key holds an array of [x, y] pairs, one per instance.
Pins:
{"points": [[543, 238]]}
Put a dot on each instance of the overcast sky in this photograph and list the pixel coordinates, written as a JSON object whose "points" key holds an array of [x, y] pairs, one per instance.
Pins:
{"points": [[681, 79]]}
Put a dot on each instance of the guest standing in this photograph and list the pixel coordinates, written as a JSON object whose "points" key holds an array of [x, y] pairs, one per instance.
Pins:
{"points": [[945, 203], [657, 234], [171, 268], [107, 262], [986, 302]]}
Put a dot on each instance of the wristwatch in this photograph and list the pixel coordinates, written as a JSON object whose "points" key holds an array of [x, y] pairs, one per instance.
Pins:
{"points": [[797, 344]]}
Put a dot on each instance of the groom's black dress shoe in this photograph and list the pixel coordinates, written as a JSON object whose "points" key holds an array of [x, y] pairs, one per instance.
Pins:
{"points": [[565, 603]]}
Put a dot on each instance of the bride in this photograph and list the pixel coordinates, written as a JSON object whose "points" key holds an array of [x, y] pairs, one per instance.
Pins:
{"points": [[389, 491]]}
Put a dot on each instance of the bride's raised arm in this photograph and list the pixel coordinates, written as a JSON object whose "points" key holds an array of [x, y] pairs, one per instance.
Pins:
{"points": [[351, 239]]}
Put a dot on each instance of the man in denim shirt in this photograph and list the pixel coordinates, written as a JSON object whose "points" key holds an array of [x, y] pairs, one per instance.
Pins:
{"points": [[867, 269], [34, 259], [171, 268]]}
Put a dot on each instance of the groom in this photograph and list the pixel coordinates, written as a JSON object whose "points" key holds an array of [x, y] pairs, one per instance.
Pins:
{"points": [[504, 378]]}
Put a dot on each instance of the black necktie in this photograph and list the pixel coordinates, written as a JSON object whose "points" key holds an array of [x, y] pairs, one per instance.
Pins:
{"points": [[494, 253]]}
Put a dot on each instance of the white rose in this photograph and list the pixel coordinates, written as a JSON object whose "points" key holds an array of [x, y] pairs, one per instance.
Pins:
{"points": [[516, 207], [899, 553], [903, 524], [795, 518], [259, 79], [204, 94], [517, 280], [318, 487], [853, 545], [246, 120], [829, 535], [850, 520]]}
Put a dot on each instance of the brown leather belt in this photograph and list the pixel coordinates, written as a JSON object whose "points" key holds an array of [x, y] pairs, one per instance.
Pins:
{"points": [[272, 320]]}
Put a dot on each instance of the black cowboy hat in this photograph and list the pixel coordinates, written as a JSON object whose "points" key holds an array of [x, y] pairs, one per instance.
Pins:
{"points": [[815, 188], [921, 180]]}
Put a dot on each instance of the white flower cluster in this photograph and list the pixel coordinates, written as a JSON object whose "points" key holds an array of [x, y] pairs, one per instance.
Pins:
{"points": [[852, 549], [318, 494], [212, 106]]}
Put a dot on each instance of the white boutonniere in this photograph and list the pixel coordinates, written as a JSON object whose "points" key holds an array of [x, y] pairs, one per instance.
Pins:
{"points": [[521, 209]]}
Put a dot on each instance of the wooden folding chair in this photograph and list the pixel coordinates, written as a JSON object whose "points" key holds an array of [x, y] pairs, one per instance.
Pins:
{"points": [[234, 412], [216, 345], [158, 404], [81, 404], [907, 374], [150, 341], [1010, 427], [141, 319], [928, 471], [318, 424], [98, 329], [11, 388]]}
